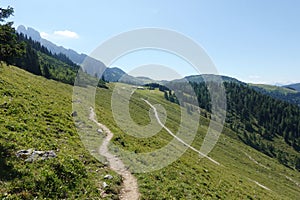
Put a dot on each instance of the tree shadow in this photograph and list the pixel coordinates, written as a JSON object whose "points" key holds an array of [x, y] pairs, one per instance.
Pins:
{"points": [[7, 171]]}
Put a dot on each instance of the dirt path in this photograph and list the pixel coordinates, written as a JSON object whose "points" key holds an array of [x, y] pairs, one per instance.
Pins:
{"points": [[256, 162], [260, 185], [177, 138], [290, 179], [130, 189]]}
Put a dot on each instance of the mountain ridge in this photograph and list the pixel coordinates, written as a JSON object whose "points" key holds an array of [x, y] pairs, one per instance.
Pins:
{"points": [[285, 93], [208, 78], [295, 86], [115, 74], [35, 35], [94, 66], [110, 74]]}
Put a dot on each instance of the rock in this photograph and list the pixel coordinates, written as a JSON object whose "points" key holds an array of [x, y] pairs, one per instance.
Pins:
{"points": [[31, 158], [40, 153], [105, 185], [76, 101], [99, 131], [24, 153], [31, 155], [108, 176], [49, 154], [74, 114]]}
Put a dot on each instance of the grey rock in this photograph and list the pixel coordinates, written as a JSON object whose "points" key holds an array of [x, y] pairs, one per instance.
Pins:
{"points": [[105, 185], [108, 176], [24, 153], [74, 114], [49, 154], [40, 153], [31, 155], [99, 131]]}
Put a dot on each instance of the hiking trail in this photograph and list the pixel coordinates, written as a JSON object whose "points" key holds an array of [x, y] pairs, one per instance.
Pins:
{"points": [[130, 190]]}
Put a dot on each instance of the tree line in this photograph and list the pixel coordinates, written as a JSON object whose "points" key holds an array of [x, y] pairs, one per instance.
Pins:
{"points": [[23, 52], [257, 119]]}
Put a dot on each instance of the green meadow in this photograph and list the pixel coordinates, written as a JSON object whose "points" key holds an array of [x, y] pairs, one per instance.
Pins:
{"points": [[36, 114]]}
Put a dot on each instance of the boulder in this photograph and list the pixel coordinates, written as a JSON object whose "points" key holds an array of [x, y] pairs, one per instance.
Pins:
{"points": [[31, 155]]}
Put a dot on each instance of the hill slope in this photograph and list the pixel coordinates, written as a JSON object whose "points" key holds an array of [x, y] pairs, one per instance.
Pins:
{"points": [[274, 89], [294, 86], [208, 78], [244, 173], [286, 93], [35, 113], [93, 66]]}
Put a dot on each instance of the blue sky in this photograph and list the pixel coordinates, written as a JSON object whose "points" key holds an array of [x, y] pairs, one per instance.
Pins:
{"points": [[252, 40]]}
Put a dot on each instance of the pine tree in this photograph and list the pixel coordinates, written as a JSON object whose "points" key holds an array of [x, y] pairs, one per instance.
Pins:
{"points": [[166, 96], [46, 71], [9, 47], [297, 163]]}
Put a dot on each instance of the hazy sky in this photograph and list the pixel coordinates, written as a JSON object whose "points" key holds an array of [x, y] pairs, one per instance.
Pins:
{"points": [[252, 40]]}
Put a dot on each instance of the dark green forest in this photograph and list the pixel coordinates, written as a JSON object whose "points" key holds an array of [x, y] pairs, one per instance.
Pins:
{"points": [[258, 119], [293, 98]]}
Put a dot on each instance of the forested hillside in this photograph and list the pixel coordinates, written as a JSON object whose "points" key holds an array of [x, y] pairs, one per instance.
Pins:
{"points": [[269, 125], [21, 51], [287, 94]]}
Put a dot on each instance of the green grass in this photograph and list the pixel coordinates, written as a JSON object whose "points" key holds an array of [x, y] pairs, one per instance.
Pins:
{"points": [[36, 113], [276, 89], [191, 177]]}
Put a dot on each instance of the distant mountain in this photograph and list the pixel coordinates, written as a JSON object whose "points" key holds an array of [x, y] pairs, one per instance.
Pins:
{"points": [[286, 93], [294, 87], [40, 61], [117, 75], [209, 78], [35, 35], [274, 89], [95, 67]]}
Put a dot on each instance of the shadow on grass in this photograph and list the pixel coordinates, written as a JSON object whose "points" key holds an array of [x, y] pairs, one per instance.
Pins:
{"points": [[7, 171]]}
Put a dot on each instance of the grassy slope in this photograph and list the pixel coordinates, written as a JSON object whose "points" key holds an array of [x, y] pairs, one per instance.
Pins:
{"points": [[35, 113], [282, 93], [58, 69], [275, 89], [294, 86], [193, 178]]}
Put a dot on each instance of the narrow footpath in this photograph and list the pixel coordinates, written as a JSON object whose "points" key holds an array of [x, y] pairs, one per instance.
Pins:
{"points": [[130, 190], [177, 138]]}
